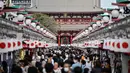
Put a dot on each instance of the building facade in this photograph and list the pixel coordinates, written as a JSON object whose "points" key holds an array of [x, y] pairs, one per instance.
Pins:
{"points": [[71, 15]]}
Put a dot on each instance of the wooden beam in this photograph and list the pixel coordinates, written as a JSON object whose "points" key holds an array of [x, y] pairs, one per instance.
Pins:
{"points": [[12, 10], [119, 4]]}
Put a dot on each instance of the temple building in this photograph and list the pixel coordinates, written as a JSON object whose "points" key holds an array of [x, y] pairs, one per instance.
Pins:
{"points": [[71, 15]]}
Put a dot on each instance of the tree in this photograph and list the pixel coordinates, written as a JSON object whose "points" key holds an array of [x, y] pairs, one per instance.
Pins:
{"points": [[46, 21]]}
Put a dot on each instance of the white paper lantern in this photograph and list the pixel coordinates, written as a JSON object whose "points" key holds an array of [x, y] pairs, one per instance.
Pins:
{"points": [[106, 19], [98, 23], [1, 5], [20, 17], [94, 25], [86, 31], [83, 33], [15, 19], [102, 21], [109, 27], [33, 24], [120, 16], [28, 21], [122, 10], [94, 18], [128, 6], [115, 13], [38, 27], [90, 28], [44, 31], [41, 29]]}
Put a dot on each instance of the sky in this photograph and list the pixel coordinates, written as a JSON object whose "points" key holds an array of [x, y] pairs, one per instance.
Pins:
{"points": [[107, 3]]}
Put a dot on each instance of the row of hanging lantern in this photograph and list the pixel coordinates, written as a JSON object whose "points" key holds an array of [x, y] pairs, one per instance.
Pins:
{"points": [[116, 30], [24, 19], [7, 45], [103, 20]]}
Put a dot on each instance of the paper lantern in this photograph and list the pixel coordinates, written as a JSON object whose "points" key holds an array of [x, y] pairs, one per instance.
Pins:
{"points": [[106, 19], [120, 16], [15, 19], [20, 17], [9, 44], [28, 21], [125, 45], [98, 23], [33, 24], [83, 33], [2, 45], [94, 25], [19, 43], [38, 27], [86, 31], [94, 18], [128, 6], [44, 31], [14, 44], [115, 13], [122, 10], [41, 29], [90, 28], [1, 5]]}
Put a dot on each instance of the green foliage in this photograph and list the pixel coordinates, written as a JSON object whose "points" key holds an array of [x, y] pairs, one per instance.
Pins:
{"points": [[46, 21]]}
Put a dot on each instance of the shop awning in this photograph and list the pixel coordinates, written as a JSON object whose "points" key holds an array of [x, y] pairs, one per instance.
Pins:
{"points": [[12, 10]]}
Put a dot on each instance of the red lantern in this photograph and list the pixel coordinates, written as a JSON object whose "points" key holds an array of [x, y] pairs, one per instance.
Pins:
{"points": [[125, 45], [9, 44], [46, 44], [40, 44], [113, 44], [109, 43], [2, 45], [14, 44], [106, 43], [118, 45], [32, 44], [19, 43]]}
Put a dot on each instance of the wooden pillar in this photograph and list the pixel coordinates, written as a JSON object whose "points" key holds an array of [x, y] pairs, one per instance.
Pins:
{"points": [[71, 39], [59, 40]]}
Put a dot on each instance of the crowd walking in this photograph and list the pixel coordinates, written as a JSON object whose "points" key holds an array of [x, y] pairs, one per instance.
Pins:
{"points": [[58, 60]]}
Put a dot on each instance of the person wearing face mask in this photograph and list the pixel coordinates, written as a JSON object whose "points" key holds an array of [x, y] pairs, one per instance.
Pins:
{"points": [[66, 68], [76, 63], [67, 56], [56, 68], [89, 65]]}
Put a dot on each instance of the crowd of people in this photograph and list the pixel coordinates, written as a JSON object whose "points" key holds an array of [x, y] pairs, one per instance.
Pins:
{"points": [[59, 60]]}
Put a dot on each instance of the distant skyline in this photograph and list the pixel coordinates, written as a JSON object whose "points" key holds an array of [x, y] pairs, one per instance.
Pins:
{"points": [[107, 3]]}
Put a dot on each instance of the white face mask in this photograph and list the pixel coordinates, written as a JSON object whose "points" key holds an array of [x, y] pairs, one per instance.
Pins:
{"points": [[66, 69], [75, 61], [46, 60], [67, 56], [55, 71]]}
